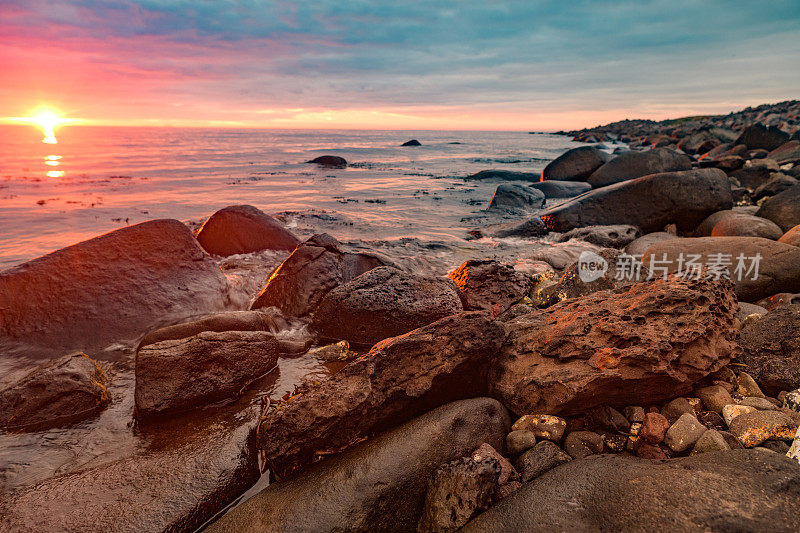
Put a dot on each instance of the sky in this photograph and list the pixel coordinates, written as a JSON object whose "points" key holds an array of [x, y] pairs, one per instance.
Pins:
{"points": [[463, 64]]}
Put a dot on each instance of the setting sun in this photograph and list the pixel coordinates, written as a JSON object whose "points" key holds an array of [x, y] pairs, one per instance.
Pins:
{"points": [[47, 120]]}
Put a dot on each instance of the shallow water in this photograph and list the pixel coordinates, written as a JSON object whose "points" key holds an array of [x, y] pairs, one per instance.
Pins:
{"points": [[97, 179]]}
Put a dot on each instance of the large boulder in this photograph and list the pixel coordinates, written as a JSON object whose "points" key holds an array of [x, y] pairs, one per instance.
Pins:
{"points": [[638, 344], [760, 136], [752, 177], [783, 208], [242, 229], [182, 374], [490, 285], [576, 164], [615, 236], [261, 320], [511, 196], [181, 478], [108, 289], [746, 225], [698, 143], [316, 266], [57, 393], [384, 302], [630, 165], [771, 349], [377, 485], [786, 153], [397, 380], [759, 267], [777, 183], [561, 189], [734, 490], [792, 236], [640, 245], [649, 203]]}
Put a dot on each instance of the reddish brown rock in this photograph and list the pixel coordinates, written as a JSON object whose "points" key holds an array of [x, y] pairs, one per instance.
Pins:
{"points": [[654, 428], [643, 343], [382, 303], [488, 284], [397, 380], [315, 267], [242, 229], [108, 289]]}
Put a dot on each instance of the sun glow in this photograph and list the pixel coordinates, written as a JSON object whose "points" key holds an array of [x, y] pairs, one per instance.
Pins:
{"points": [[46, 120]]}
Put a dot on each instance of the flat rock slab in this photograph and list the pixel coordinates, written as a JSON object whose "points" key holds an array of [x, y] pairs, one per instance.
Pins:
{"points": [[398, 379], [649, 202], [377, 485], [173, 489], [642, 343], [778, 263], [734, 490], [109, 289]]}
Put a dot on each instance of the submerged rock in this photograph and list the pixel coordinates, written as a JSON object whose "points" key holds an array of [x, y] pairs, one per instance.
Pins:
{"points": [[649, 203], [377, 485], [729, 490], [642, 343], [108, 289], [630, 165], [316, 266], [58, 393], [511, 196], [488, 284], [332, 161], [398, 379], [183, 374], [412, 142], [384, 302], [242, 229], [576, 164]]}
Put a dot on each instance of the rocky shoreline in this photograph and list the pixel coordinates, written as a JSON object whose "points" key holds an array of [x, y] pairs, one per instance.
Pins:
{"points": [[646, 374]]}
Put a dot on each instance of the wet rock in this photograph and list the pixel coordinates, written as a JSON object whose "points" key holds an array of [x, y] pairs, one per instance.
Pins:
{"points": [[634, 414], [778, 264], [377, 485], [488, 284], [711, 441], [57, 393], [760, 136], [316, 266], [580, 444], [265, 320], [512, 196], [183, 374], [459, 491], [531, 227], [339, 351], [757, 426], [412, 142], [108, 289], [539, 459], [506, 175], [630, 165], [638, 246], [618, 493], [684, 433], [177, 484], [782, 208], [791, 236], [714, 398], [576, 164], [729, 412], [771, 349], [542, 426], [649, 203], [331, 161], [606, 236], [519, 441], [384, 302], [654, 428], [561, 189], [398, 379], [617, 347], [243, 229]]}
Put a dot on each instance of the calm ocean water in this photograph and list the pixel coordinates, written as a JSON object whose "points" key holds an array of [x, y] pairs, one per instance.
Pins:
{"points": [[97, 179]]}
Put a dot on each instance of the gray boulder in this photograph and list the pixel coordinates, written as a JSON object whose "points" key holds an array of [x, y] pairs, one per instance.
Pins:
{"points": [[377, 485], [735, 490], [384, 302], [506, 175], [649, 203], [511, 196], [576, 164], [760, 136], [632, 165], [531, 227], [783, 208], [615, 236], [561, 189]]}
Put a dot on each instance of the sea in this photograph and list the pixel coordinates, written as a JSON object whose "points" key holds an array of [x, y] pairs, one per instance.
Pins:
{"points": [[98, 179]]}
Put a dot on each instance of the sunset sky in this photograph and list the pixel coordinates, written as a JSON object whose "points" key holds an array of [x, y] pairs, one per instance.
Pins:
{"points": [[464, 64]]}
